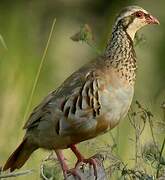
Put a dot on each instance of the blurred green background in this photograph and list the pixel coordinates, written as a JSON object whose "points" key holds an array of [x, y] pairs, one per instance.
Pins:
{"points": [[25, 26]]}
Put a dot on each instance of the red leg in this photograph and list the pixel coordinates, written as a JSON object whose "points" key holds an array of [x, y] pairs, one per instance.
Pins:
{"points": [[79, 156], [64, 166], [81, 159]]}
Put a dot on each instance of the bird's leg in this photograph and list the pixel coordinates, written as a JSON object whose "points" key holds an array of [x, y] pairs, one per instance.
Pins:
{"points": [[80, 157], [64, 166], [92, 161]]}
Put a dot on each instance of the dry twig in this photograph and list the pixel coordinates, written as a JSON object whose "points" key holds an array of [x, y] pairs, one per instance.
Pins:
{"points": [[15, 174]]}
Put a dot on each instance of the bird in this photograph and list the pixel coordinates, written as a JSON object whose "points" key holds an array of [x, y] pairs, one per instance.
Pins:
{"points": [[90, 102]]}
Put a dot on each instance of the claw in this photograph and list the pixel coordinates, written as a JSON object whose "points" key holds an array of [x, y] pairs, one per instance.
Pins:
{"points": [[93, 162], [75, 173], [81, 160]]}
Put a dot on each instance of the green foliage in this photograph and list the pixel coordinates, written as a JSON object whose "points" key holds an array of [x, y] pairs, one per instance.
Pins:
{"points": [[85, 35]]}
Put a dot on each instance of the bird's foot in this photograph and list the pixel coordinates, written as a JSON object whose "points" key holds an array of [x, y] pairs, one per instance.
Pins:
{"points": [[73, 172], [91, 161]]}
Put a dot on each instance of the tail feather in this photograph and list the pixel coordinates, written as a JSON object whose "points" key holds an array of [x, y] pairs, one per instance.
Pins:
{"points": [[19, 156]]}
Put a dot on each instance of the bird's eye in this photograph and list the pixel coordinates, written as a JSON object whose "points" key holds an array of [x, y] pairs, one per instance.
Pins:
{"points": [[139, 14]]}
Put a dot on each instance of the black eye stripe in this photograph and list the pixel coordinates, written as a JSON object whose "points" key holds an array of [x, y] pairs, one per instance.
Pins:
{"points": [[147, 16]]}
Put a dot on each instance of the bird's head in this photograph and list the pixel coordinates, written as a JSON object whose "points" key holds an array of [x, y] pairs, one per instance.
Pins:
{"points": [[133, 18]]}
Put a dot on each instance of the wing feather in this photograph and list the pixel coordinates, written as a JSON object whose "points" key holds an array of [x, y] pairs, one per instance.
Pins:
{"points": [[82, 108], [74, 105]]}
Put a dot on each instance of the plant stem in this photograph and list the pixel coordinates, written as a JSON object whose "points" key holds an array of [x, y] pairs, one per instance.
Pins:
{"points": [[39, 70], [161, 152], [152, 134], [16, 174]]}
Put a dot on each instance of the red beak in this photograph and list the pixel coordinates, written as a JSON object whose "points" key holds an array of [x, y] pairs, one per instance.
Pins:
{"points": [[152, 20]]}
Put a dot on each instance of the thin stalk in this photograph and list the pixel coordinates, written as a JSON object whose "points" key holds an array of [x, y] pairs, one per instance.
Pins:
{"points": [[160, 157], [152, 134], [3, 42], [93, 46], [117, 139], [39, 70], [15, 174]]}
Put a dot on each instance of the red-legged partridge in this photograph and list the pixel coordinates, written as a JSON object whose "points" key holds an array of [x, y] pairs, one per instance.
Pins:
{"points": [[91, 101]]}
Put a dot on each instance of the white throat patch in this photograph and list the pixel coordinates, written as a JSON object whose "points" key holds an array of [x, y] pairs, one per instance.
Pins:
{"points": [[134, 27]]}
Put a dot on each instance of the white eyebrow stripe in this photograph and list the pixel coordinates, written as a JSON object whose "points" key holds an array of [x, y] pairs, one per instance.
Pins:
{"points": [[130, 11]]}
